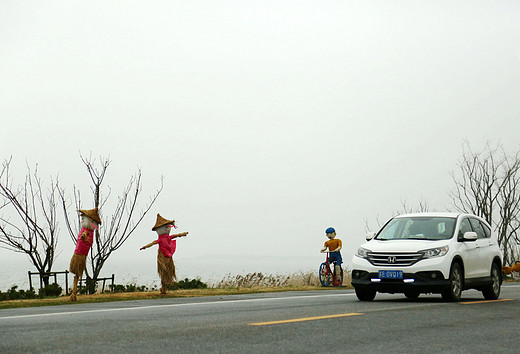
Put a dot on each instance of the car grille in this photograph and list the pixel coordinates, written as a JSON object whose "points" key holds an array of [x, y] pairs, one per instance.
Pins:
{"points": [[393, 259]]}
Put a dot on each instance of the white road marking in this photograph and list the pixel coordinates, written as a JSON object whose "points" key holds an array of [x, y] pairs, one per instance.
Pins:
{"points": [[172, 305]]}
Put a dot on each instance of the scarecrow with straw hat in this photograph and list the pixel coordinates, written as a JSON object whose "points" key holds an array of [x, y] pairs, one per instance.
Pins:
{"points": [[167, 245], [89, 222]]}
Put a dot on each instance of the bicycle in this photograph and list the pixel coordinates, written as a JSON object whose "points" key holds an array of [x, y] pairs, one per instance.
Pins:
{"points": [[327, 276]]}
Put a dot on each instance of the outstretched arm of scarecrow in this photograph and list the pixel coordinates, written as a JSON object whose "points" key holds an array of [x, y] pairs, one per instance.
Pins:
{"points": [[148, 245], [178, 235]]}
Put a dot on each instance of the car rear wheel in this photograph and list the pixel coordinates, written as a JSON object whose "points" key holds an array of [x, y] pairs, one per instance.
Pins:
{"points": [[364, 294], [454, 291], [492, 291]]}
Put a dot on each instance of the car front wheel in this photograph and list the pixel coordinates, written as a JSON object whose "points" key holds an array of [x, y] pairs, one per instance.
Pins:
{"points": [[492, 291], [364, 294], [454, 291], [412, 294]]}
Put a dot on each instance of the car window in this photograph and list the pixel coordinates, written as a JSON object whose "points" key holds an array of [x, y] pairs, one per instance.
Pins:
{"points": [[465, 226], [389, 230], [477, 227], [487, 230]]}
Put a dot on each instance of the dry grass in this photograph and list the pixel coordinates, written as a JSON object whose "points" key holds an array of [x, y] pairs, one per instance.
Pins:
{"points": [[231, 285], [253, 280], [309, 278]]}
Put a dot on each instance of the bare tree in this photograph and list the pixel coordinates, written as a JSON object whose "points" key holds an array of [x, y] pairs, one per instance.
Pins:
{"points": [[118, 225], [477, 185], [487, 184], [34, 230], [508, 201], [422, 206]]}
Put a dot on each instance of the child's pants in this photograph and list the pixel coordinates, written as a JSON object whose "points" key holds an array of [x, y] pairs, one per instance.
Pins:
{"points": [[335, 256]]}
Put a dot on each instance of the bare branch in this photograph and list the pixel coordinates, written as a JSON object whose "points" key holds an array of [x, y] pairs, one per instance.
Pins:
{"points": [[118, 225], [37, 239], [488, 185]]}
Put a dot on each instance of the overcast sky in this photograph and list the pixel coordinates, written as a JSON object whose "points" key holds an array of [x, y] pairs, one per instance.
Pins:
{"points": [[270, 120]]}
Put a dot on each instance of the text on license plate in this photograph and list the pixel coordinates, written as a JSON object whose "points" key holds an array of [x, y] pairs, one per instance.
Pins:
{"points": [[390, 274]]}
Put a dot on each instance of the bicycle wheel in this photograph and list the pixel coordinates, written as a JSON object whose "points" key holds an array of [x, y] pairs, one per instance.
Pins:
{"points": [[338, 280], [325, 275]]}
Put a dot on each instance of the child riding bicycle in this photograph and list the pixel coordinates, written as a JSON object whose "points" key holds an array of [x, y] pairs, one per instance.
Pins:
{"points": [[334, 246]]}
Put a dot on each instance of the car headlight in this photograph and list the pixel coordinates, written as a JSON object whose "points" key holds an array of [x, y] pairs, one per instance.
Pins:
{"points": [[435, 252], [362, 252]]}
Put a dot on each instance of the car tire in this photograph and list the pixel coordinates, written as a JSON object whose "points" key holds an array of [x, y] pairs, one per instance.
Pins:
{"points": [[454, 291], [492, 291], [364, 294], [412, 294]]}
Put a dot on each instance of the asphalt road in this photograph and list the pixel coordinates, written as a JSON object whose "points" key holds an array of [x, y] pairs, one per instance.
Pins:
{"points": [[298, 322]]}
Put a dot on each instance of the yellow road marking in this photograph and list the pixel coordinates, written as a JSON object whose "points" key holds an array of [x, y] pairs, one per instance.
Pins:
{"points": [[304, 319], [484, 301]]}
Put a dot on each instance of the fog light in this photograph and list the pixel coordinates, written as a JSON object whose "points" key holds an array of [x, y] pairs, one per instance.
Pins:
{"points": [[375, 280], [434, 276], [408, 280]]}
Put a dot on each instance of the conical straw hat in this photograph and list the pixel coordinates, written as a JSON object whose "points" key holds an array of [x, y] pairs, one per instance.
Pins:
{"points": [[161, 222], [92, 214]]}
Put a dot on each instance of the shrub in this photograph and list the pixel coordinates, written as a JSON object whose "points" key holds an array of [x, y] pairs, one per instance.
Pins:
{"points": [[28, 294], [13, 294], [51, 290], [128, 288], [188, 284]]}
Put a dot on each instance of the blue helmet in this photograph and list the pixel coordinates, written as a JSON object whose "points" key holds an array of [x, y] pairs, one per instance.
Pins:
{"points": [[330, 230]]}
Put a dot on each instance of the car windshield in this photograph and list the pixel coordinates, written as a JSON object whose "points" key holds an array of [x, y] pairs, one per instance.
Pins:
{"points": [[418, 228]]}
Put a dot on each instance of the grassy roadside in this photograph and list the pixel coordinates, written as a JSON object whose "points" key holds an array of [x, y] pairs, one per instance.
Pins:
{"points": [[108, 297]]}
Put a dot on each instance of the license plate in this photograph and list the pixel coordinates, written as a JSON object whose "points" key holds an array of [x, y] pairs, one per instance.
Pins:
{"points": [[390, 274]]}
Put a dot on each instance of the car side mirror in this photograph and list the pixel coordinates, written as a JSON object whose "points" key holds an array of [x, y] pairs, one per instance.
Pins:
{"points": [[370, 236], [470, 236]]}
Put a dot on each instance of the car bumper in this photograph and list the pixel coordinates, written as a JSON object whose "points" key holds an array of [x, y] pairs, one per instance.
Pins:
{"points": [[423, 282]]}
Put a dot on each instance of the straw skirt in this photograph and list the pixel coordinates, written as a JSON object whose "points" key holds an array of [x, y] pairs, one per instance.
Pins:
{"points": [[78, 264], [165, 268]]}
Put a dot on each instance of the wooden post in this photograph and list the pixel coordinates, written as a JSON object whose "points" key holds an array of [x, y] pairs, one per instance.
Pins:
{"points": [[67, 282], [30, 280]]}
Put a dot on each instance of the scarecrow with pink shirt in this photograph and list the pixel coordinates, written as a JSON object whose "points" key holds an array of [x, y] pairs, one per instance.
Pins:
{"points": [[167, 245], [89, 222]]}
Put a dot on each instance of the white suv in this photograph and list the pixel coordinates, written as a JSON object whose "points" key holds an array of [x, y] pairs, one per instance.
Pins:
{"points": [[442, 253]]}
